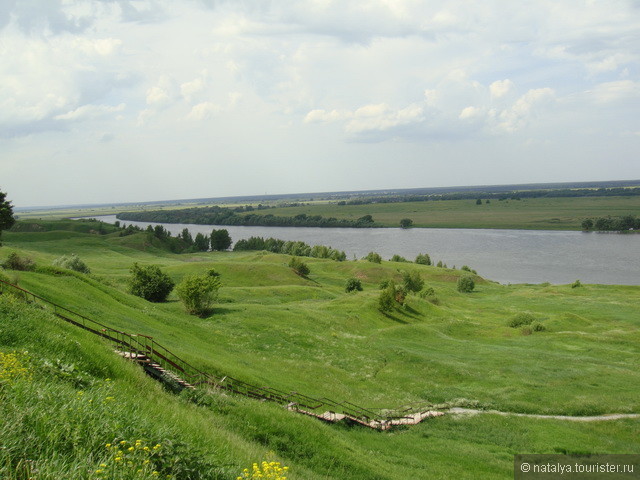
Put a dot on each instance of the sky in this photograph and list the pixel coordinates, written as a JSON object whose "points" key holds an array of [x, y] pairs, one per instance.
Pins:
{"points": [[105, 101]]}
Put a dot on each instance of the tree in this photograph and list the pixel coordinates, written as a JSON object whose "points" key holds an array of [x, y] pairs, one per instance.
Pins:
{"points": [[373, 257], [406, 223], [412, 281], [587, 224], [479, 201], [186, 236], [299, 267], [352, 285], [201, 242], [423, 259], [6, 213], [198, 292], [220, 240], [150, 283], [387, 297], [466, 284]]}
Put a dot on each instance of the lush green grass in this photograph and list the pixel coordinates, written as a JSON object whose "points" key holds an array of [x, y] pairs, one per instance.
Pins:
{"points": [[529, 213], [275, 328]]}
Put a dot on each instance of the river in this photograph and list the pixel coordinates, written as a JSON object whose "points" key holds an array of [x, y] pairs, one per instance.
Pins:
{"points": [[505, 256]]}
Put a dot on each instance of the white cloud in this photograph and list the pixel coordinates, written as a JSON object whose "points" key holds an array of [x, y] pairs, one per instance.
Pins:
{"points": [[501, 88], [519, 114], [324, 77], [203, 111], [87, 112]]}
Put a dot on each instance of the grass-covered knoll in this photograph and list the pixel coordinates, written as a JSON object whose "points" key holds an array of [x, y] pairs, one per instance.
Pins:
{"points": [[528, 213], [274, 327]]}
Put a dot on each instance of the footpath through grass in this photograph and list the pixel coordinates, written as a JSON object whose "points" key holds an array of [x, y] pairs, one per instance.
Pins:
{"points": [[274, 328]]}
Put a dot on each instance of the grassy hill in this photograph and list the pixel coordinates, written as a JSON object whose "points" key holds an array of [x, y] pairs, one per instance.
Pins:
{"points": [[274, 328]]}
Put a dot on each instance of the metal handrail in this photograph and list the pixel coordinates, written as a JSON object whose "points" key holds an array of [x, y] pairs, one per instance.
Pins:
{"points": [[147, 346]]}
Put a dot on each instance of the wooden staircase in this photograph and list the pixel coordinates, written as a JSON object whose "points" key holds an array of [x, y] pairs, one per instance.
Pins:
{"points": [[165, 366]]}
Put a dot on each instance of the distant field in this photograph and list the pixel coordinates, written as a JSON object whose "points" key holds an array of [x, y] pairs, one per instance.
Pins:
{"points": [[531, 214]]}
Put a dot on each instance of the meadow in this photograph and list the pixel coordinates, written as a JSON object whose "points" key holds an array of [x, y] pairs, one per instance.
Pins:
{"points": [[274, 328], [528, 213]]}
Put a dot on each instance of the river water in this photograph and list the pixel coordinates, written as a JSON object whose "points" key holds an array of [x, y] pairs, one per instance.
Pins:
{"points": [[505, 256]]}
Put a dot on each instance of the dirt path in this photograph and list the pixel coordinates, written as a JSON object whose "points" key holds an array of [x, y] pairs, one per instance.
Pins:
{"points": [[598, 418]]}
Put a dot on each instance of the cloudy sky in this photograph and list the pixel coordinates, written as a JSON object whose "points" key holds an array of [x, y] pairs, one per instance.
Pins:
{"points": [[121, 100]]}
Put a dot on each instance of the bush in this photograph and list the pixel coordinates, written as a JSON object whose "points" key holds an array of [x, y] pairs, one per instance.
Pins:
{"points": [[373, 257], [406, 223], [576, 284], [412, 281], [538, 327], [150, 283], [466, 284], [423, 259], [198, 292], [468, 269], [429, 294], [299, 267], [352, 285], [398, 258], [16, 262], [521, 319], [387, 298], [72, 262]]}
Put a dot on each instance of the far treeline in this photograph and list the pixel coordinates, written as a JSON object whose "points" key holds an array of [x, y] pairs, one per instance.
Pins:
{"points": [[612, 224], [227, 216], [511, 195]]}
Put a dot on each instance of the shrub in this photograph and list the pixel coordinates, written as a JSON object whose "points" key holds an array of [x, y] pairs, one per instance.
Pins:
{"points": [[538, 327], [424, 259], [466, 284], [412, 281], [439, 265], [468, 269], [387, 297], [398, 258], [299, 267], [72, 262], [352, 285], [576, 284], [373, 257], [429, 294], [198, 292], [406, 223], [150, 283], [521, 319], [16, 262]]}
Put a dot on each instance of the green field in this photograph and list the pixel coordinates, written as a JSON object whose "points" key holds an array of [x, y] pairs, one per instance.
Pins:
{"points": [[528, 213], [274, 328]]}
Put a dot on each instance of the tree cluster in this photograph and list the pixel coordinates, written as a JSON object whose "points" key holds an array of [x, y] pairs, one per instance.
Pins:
{"points": [[296, 248], [226, 216], [609, 224]]}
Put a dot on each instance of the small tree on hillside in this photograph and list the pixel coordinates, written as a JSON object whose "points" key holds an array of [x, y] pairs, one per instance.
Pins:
{"points": [[6, 213], [198, 292], [201, 242], [353, 284], [466, 284], [150, 283], [373, 257], [412, 281], [220, 240], [423, 259], [299, 267]]}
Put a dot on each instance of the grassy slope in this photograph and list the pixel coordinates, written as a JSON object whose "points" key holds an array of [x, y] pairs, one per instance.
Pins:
{"points": [[275, 328], [531, 213]]}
